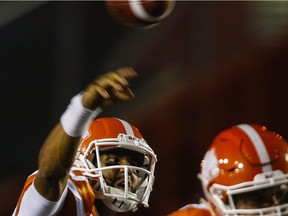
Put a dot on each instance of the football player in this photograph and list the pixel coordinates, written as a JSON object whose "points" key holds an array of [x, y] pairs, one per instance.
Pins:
{"points": [[91, 166], [244, 172]]}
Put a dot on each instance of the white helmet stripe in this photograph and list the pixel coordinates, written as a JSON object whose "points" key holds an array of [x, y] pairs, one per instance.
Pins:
{"points": [[258, 144], [127, 127], [140, 12]]}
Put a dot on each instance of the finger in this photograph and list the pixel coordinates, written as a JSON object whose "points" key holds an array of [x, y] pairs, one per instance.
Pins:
{"points": [[118, 78], [93, 89], [129, 92], [127, 72], [107, 82], [102, 92], [121, 75], [124, 95]]}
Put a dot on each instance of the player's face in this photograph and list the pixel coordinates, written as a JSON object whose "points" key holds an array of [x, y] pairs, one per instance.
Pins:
{"points": [[115, 177], [269, 197]]}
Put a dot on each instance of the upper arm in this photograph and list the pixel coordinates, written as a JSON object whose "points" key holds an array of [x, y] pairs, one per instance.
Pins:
{"points": [[34, 204]]}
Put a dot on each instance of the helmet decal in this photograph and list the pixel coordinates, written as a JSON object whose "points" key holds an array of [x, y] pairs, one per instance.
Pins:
{"points": [[259, 146], [209, 165], [127, 127]]}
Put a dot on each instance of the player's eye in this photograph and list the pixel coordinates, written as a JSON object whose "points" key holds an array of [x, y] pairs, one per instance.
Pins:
{"points": [[256, 199]]}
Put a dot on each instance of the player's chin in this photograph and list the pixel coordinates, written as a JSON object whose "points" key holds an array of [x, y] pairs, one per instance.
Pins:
{"points": [[121, 185]]}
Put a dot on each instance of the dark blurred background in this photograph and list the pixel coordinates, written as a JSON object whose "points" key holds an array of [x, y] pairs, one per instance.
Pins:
{"points": [[206, 67]]}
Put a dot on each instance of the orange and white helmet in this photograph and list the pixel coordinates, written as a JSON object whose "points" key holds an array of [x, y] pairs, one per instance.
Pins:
{"points": [[242, 161], [106, 134]]}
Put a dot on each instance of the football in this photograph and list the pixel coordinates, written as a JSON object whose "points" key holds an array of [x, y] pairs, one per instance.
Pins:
{"points": [[139, 13]]}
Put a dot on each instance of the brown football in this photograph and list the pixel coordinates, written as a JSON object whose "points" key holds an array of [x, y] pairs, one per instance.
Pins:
{"points": [[139, 13]]}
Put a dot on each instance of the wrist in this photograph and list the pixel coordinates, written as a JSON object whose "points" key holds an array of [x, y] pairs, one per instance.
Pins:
{"points": [[76, 118]]}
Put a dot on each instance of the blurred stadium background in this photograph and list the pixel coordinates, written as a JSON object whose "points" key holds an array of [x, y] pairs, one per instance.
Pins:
{"points": [[208, 66]]}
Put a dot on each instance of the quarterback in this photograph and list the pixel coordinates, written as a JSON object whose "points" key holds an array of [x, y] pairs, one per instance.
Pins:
{"points": [[91, 166]]}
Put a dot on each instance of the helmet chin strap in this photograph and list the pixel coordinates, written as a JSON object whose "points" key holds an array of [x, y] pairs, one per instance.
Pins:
{"points": [[116, 199], [120, 205]]}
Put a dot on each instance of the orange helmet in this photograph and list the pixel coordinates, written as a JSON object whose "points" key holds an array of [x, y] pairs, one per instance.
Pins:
{"points": [[112, 134], [242, 161]]}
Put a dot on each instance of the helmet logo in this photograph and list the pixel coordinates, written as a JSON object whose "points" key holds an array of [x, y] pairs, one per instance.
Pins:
{"points": [[210, 165]]}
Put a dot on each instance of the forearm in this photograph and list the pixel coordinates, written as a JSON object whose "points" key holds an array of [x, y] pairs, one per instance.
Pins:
{"points": [[57, 154], [55, 160], [59, 149]]}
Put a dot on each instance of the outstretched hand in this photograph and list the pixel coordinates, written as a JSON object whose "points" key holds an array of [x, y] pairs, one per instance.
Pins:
{"points": [[109, 87]]}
